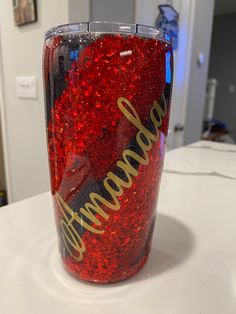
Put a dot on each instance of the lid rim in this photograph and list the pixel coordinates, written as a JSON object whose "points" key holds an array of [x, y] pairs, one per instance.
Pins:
{"points": [[108, 27]]}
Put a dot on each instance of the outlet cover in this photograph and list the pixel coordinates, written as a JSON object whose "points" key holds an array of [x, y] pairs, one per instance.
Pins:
{"points": [[26, 87]]}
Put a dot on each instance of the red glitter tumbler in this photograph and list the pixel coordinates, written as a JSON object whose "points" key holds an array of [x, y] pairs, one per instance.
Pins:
{"points": [[107, 97]]}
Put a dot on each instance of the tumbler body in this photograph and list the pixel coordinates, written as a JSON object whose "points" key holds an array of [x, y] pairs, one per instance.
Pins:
{"points": [[107, 98]]}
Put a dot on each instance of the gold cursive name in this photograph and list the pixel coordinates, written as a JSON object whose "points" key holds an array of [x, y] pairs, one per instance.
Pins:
{"points": [[94, 209]]}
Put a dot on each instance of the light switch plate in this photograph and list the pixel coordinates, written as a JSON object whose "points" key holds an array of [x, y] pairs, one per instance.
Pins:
{"points": [[26, 87]]}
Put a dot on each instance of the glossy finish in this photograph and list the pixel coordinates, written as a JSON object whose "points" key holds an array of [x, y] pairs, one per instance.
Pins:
{"points": [[192, 267], [108, 106]]}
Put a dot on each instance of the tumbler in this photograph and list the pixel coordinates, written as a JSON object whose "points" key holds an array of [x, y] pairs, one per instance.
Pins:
{"points": [[107, 98]]}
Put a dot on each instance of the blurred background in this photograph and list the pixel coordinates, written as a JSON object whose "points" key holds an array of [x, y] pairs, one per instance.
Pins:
{"points": [[204, 96]]}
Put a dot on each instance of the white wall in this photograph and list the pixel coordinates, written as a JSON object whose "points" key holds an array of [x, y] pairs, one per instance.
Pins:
{"points": [[24, 126], [79, 10], [112, 10]]}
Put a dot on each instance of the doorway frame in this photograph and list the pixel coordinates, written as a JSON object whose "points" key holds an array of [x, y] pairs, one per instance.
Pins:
{"points": [[3, 128]]}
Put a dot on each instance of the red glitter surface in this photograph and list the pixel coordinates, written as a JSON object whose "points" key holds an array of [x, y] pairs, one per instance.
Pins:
{"points": [[87, 134], [124, 247]]}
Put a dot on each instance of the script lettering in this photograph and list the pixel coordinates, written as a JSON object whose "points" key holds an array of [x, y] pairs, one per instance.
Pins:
{"points": [[94, 209]]}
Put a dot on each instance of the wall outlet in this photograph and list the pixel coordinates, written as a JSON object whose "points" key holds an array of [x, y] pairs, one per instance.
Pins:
{"points": [[26, 87]]}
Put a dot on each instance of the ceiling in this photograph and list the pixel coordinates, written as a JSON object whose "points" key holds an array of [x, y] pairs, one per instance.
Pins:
{"points": [[225, 6]]}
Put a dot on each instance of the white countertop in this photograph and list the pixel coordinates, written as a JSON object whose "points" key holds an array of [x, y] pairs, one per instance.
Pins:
{"points": [[192, 267]]}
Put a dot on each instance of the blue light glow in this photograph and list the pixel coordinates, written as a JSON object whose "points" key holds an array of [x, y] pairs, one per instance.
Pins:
{"points": [[168, 67], [74, 54], [167, 36]]}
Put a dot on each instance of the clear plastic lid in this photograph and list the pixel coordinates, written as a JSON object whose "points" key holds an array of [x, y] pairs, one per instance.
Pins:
{"points": [[108, 27]]}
